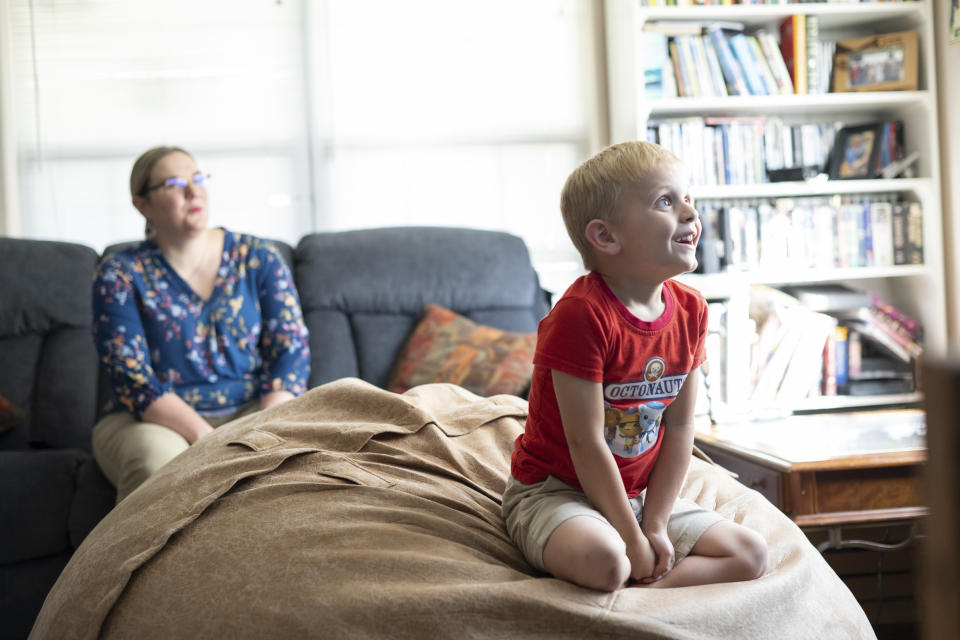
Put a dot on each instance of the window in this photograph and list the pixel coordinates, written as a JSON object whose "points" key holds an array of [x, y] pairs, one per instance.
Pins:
{"points": [[309, 115]]}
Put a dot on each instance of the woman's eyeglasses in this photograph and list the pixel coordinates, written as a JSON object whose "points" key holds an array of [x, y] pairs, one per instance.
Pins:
{"points": [[168, 185]]}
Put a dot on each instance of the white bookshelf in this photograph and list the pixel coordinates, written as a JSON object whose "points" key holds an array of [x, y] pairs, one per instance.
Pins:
{"points": [[917, 289]]}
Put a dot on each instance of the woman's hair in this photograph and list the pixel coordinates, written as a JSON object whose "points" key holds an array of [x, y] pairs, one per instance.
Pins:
{"points": [[140, 174], [592, 190]]}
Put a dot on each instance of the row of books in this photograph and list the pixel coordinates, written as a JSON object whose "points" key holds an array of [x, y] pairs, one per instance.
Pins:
{"points": [[809, 233], [745, 150], [692, 59], [829, 340]]}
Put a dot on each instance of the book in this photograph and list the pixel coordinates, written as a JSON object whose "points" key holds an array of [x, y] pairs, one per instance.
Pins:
{"points": [[793, 46], [812, 29], [716, 71], [854, 356], [655, 57], [907, 225], [914, 233], [751, 68], [806, 364], [899, 215], [688, 65], [905, 332], [896, 317], [830, 298], [732, 73], [704, 70], [763, 66], [881, 222], [879, 387], [864, 322], [829, 378], [788, 357], [891, 146], [841, 354], [771, 50], [683, 82]]}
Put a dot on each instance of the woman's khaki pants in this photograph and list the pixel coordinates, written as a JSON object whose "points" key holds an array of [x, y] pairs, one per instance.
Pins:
{"points": [[129, 451]]}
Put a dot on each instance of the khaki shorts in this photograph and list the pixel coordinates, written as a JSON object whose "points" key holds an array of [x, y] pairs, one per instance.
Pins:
{"points": [[533, 511]]}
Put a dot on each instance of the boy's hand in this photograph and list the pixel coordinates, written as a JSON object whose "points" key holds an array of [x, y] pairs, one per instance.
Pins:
{"points": [[642, 559], [663, 549]]}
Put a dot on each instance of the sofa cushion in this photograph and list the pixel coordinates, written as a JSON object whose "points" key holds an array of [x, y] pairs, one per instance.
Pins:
{"points": [[36, 492], [446, 347], [47, 360], [363, 291]]}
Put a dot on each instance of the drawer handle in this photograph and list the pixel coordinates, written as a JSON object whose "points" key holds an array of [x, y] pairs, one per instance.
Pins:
{"points": [[758, 484]]}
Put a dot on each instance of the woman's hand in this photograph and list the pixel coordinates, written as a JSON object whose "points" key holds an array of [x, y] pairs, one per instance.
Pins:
{"points": [[172, 412], [274, 397]]}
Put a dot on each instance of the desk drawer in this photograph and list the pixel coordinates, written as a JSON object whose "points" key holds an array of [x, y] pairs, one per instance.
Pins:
{"points": [[820, 492], [766, 481]]}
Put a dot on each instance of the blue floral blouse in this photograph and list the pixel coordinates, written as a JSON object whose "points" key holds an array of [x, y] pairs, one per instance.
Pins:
{"points": [[155, 335]]}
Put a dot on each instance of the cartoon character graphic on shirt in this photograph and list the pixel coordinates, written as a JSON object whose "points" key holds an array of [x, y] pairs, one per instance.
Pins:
{"points": [[632, 431], [633, 410]]}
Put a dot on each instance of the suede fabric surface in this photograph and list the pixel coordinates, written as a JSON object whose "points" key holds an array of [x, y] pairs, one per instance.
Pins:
{"points": [[353, 512]]}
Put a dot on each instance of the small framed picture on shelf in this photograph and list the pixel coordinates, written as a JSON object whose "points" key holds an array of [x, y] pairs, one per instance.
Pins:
{"points": [[855, 152], [954, 26], [885, 62]]}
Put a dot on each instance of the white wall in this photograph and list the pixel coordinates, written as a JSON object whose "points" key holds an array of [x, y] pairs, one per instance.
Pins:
{"points": [[948, 72], [9, 201]]}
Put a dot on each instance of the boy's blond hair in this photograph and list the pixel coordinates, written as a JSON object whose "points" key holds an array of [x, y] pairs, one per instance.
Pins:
{"points": [[592, 190]]}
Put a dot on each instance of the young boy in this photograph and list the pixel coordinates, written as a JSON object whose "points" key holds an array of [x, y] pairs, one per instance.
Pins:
{"points": [[596, 473]]}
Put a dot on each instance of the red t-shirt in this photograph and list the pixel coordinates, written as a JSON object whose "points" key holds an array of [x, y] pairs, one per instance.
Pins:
{"points": [[590, 334]]}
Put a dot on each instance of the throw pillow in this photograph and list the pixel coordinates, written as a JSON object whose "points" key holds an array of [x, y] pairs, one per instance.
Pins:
{"points": [[10, 416], [447, 347]]}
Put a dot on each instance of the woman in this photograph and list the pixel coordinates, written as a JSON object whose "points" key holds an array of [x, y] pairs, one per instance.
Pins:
{"points": [[195, 326]]}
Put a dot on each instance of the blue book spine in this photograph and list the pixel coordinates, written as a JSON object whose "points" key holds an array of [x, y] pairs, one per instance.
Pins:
{"points": [[736, 83], [751, 70], [727, 159], [842, 356]]}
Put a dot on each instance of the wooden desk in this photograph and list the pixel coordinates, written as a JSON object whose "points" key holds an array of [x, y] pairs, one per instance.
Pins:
{"points": [[829, 469]]}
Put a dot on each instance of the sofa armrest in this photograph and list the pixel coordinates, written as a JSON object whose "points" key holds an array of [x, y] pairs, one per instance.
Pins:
{"points": [[51, 499]]}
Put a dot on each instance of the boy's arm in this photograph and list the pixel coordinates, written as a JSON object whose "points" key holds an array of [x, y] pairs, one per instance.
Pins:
{"points": [[581, 411], [669, 472]]}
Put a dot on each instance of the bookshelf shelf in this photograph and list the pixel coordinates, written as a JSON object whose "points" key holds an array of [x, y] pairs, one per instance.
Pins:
{"points": [[834, 14], [824, 403], [916, 289], [838, 104], [726, 284], [812, 188]]}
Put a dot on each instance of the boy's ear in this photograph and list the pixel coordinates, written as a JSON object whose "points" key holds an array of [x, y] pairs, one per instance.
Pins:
{"points": [[601, 237]]}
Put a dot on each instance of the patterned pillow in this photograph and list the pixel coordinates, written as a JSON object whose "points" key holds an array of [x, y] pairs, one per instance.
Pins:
{"points": [[447, 347], [10, 416]]}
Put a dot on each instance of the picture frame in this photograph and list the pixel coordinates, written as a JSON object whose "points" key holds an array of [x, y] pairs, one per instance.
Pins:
{"points": [[954, 27], [884, 62], [855, 151]]}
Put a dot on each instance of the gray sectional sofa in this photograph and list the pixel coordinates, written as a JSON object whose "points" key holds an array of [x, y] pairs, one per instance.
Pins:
{"points": [[362, 293]]}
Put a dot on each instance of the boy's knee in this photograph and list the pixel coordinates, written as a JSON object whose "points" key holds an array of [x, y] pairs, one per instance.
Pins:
{"points": [[608, 568]]}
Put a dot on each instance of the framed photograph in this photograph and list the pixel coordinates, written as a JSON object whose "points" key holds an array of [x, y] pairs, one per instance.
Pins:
{"points": [[954, 26], [855, 152], [885, 62]]}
